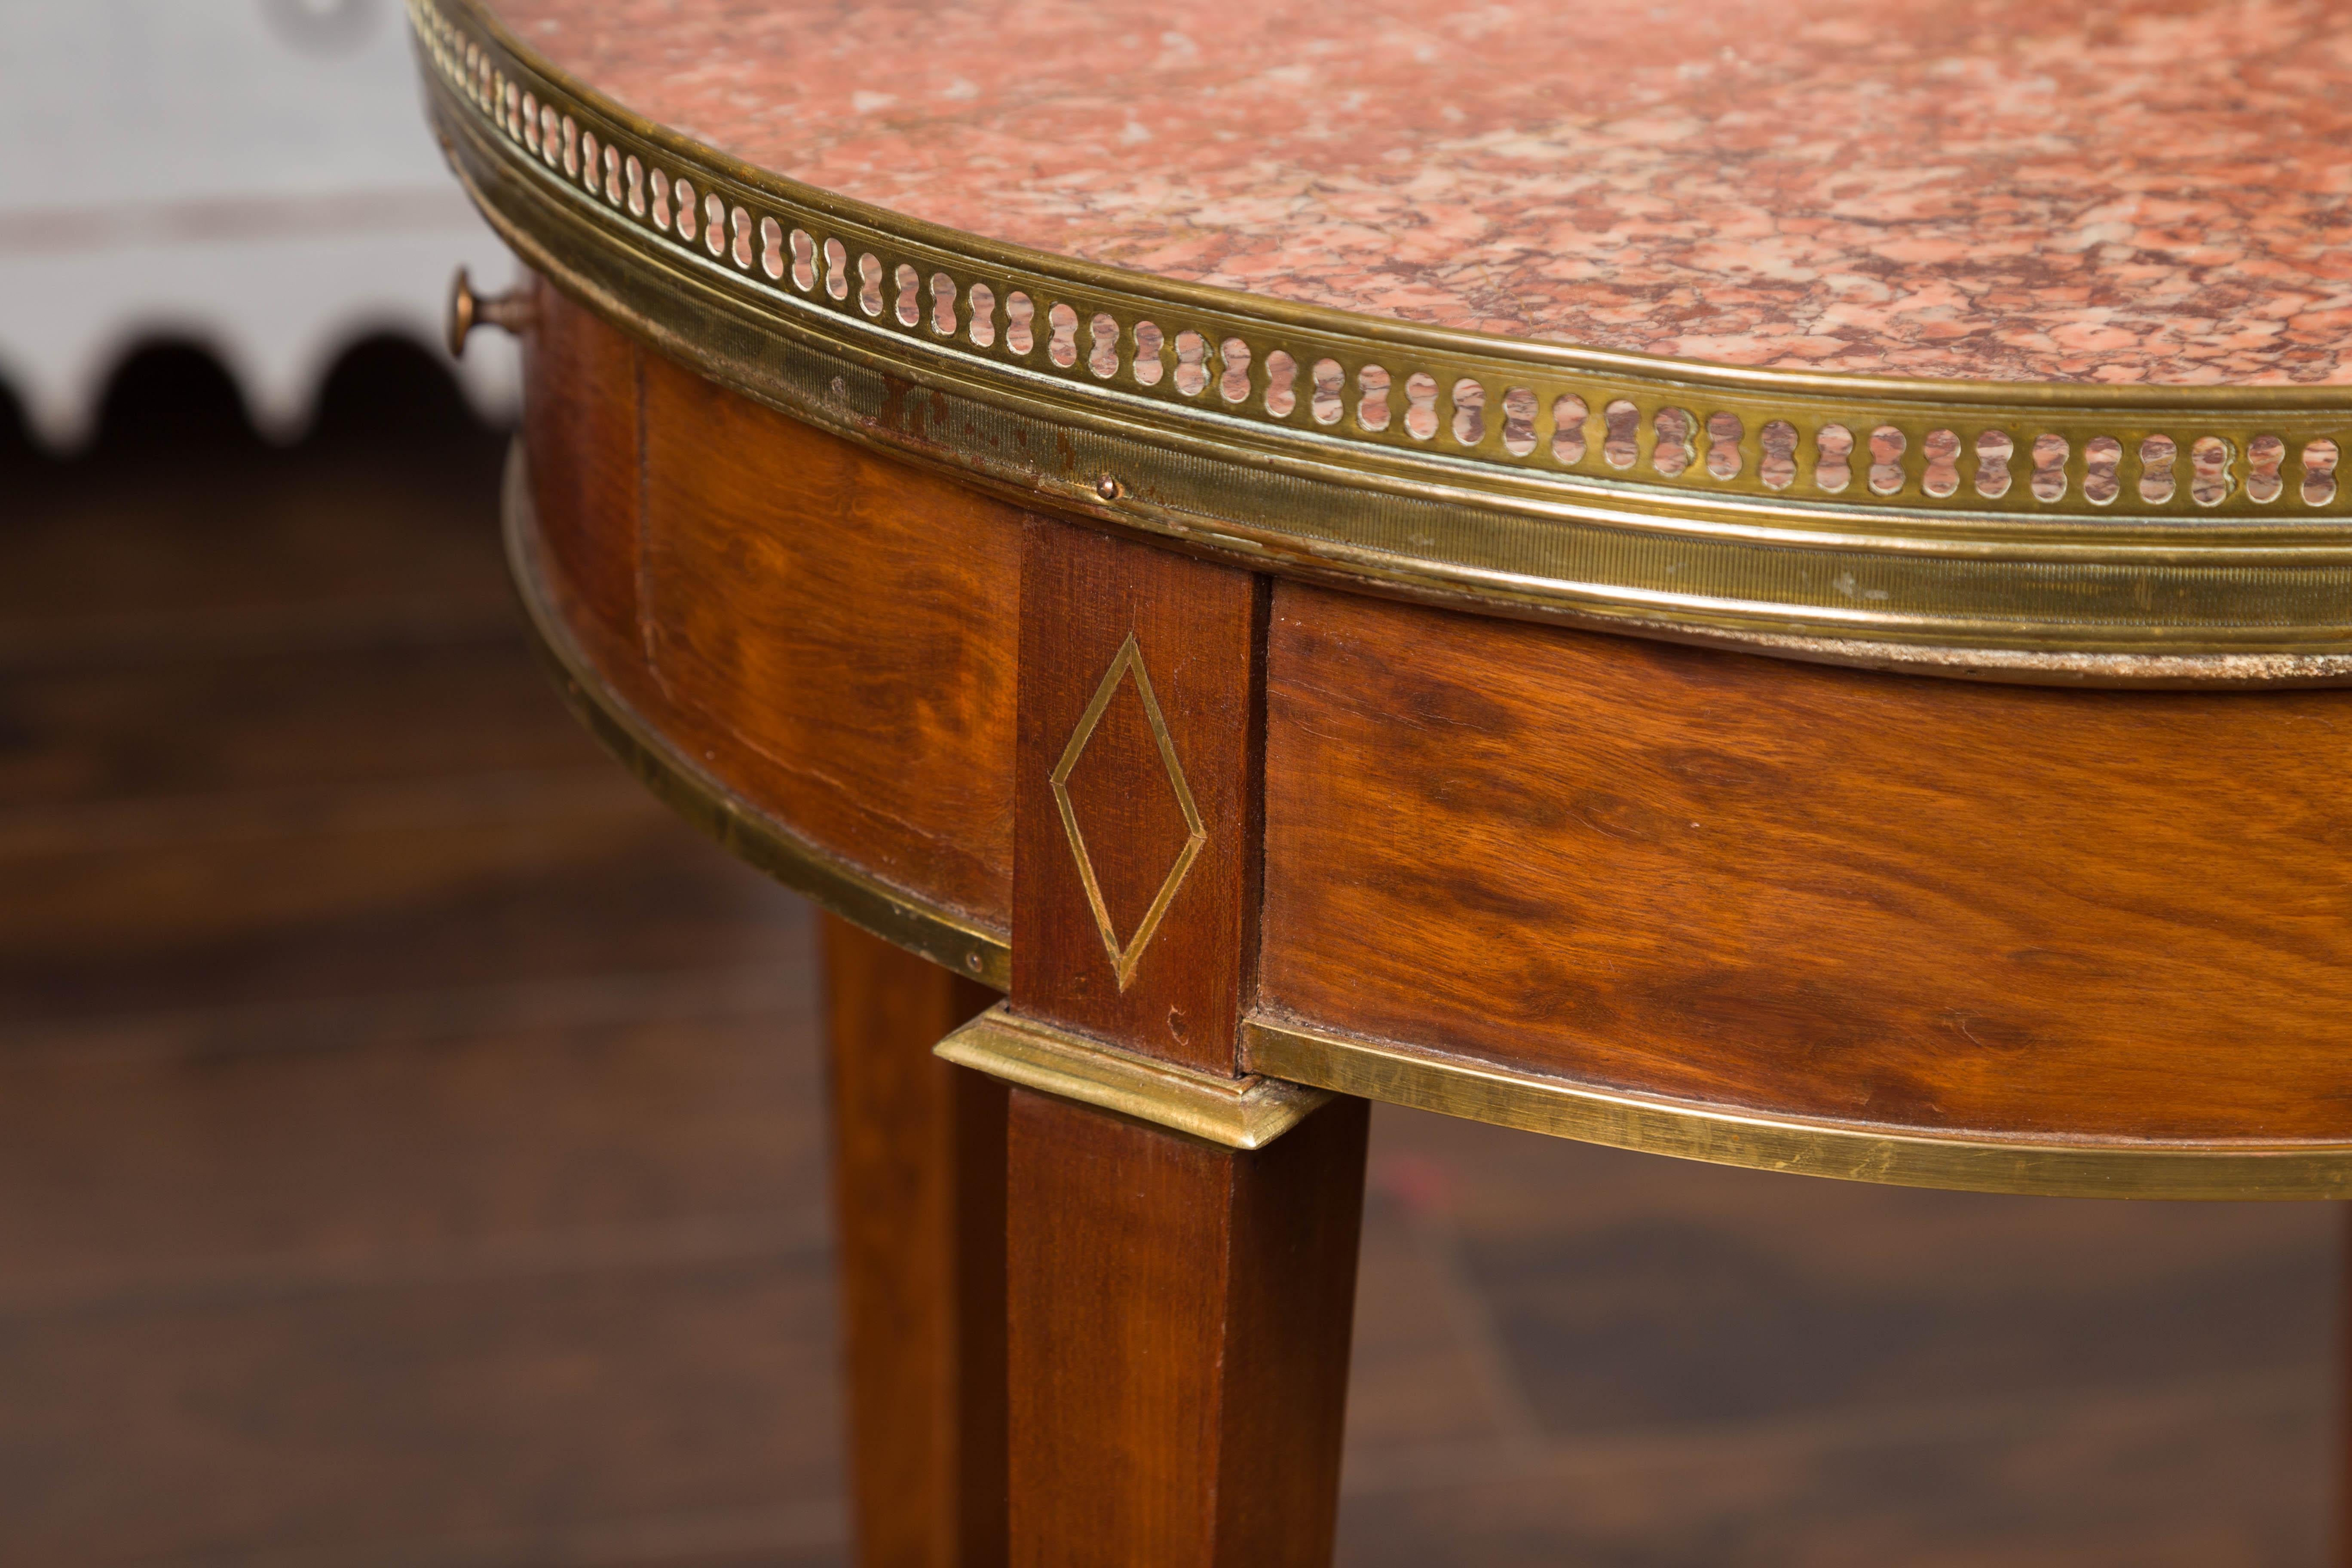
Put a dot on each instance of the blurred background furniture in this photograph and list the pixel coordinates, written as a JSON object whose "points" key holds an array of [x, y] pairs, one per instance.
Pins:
{"points": [[1342, 690], [246, 175]]}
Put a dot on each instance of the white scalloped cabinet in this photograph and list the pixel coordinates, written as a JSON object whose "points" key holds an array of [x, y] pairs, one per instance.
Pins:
{"points": [[249, 174]]}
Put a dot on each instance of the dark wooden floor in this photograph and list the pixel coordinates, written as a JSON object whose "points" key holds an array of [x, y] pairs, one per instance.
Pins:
{"points": [[409, 1154]]}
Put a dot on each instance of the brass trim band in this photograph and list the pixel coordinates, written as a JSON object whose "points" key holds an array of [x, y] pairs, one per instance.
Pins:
{"points": [[1719, 1135], [1298, 1060], [1239, 1113], [1468, 479], [873, 388], [890, 912]]}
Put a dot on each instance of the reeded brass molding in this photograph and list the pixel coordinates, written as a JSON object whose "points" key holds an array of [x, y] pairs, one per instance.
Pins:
{"points": [[1239, 1113], [1481, 1091], [1447, 499], [892, 913], [1303, 1065]]}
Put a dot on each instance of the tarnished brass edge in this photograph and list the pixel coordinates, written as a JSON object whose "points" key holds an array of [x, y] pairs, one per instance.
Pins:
{"points": [[1234, 303], [723, 305], [1492, 593], [1239, 1113], [890, 912], [1305, 1066], [726, 307], [2272, 648], [1480, 1091]]}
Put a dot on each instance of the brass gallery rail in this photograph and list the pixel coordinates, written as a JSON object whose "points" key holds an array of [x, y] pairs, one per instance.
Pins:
{"points": [[2175, 536]]}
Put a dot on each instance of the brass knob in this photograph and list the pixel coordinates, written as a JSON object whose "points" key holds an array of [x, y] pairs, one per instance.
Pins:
{"points": [[467, 309]]}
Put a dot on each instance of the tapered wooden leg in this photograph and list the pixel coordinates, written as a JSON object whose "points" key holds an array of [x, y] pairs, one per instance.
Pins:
{"points": [[1179, 1311], [918, 1177], [1179, 1324]]}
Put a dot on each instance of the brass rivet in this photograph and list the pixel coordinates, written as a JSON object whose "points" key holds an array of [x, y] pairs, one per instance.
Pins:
{"points": [[1108, 487]]}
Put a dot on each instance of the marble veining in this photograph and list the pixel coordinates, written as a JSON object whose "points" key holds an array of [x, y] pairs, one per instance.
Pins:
{"points": [[2138, 190]]}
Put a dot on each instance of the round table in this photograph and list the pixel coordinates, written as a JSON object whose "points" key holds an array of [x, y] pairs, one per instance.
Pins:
{"points": [[1755, 580]]}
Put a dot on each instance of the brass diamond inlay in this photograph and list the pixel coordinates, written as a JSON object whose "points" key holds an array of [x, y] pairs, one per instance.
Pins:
{"points": [[1124, 956]]}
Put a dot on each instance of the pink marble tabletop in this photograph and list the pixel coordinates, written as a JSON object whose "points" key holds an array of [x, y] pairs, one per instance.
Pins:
{"points": [[2126, 191]]}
